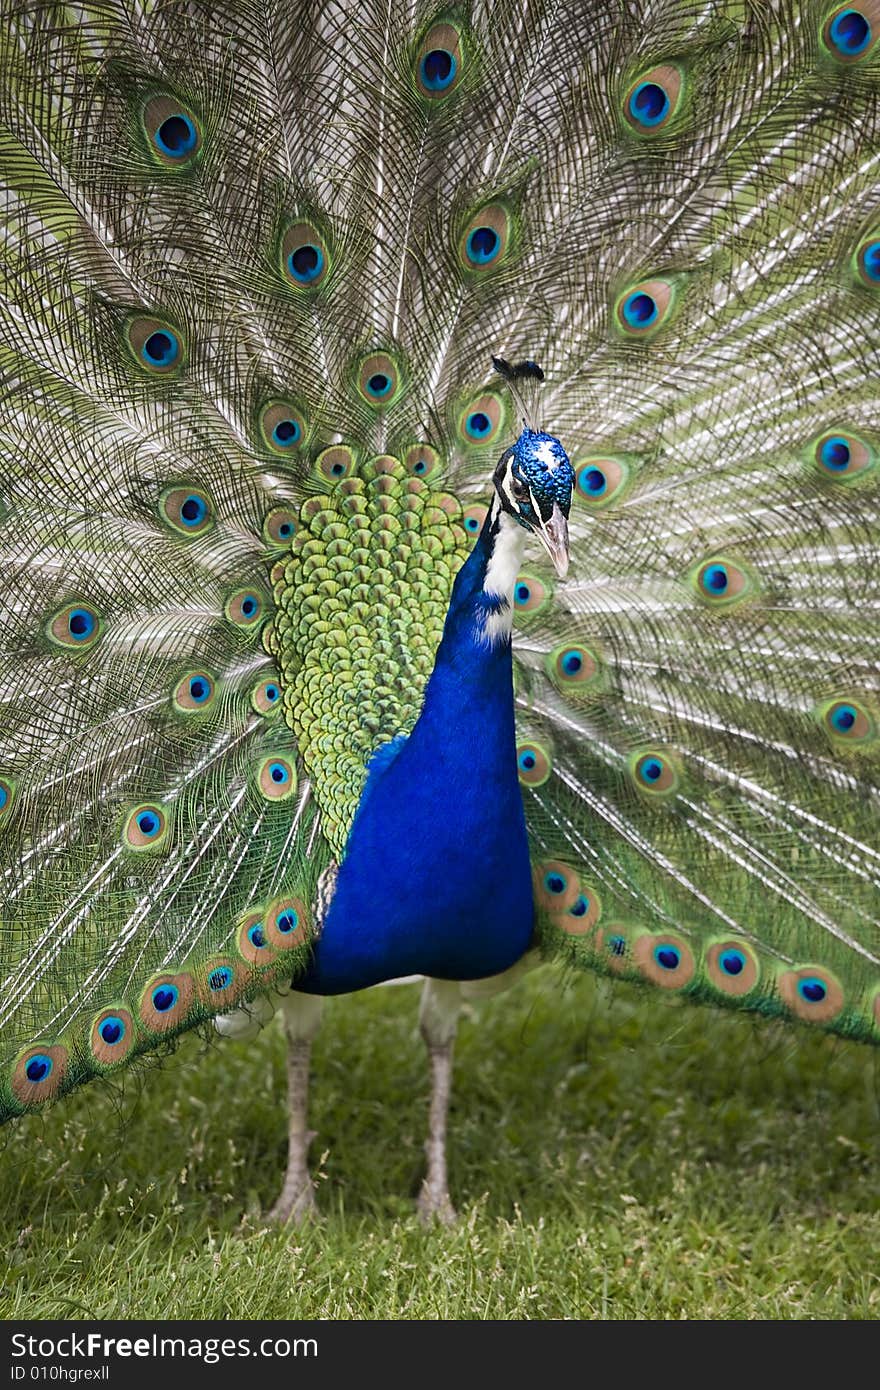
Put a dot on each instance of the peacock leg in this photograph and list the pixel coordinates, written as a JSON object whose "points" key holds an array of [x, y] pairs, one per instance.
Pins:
{"points": [[302, 1019], [438, 1021]]}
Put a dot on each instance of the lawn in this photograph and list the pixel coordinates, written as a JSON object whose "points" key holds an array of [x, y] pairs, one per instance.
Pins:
{"points": [[613, 1155]]}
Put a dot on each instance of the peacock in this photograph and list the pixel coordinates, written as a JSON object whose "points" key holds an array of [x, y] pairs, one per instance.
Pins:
{"points": [[438, 516]]}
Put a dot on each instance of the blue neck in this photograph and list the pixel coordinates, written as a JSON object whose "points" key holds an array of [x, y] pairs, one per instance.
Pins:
{"points": [[435, 879]]}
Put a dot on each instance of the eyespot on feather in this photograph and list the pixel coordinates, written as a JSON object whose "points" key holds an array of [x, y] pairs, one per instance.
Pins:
{"points": [[654, 99], [112, 1035], [188, 511], [305, 259], [7, 799], [573, 669], [335, 463], [732, 966], [276, 778], [38, 1073], [841, 455], [481, 420], [146, 827], [245, 609], [194, 692], [613, 944], [266, 697], [847, 721], [421, 460], [379, 380], [282, 427], [472, 519], [220, 983], [866, 262], [484, 243], [812, 993], [850, 32], [166, 1001], [643, 309], [173, 132], [533, 764], [556, 885], [286, 923], [722, 582], [279, 527], [530, 595], [601, 480], [156, 346], [253, 942], [77, 626], [583, 914], [664, 958], [653, 772], [439, 62]]}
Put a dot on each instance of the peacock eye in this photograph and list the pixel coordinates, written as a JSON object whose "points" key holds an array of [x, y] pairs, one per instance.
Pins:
{"points": [[520, 490]]}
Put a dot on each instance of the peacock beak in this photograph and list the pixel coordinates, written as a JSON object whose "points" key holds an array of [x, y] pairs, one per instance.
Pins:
{"points": [[553, 535]]}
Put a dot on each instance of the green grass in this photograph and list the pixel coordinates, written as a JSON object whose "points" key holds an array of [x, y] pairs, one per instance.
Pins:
{"points": [[612, 1155]]}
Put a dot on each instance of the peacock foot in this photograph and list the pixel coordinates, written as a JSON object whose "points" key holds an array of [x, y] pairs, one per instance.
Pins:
{"points": [[295, 1208], [434, 1205]]}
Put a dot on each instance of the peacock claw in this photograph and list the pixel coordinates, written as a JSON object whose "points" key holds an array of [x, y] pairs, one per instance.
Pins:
{"points": [[435, 1206]]}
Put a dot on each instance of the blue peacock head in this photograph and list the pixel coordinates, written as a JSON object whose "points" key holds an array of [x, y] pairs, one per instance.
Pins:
{"points": [[533, 482]]}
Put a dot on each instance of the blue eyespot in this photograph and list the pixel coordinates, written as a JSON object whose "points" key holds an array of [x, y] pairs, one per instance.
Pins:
{"points": [[38, 1068], [870, 260], [580, 907], [732, 962], [850, 33], [471, 525], [843, 717], [306, 263], [287, 921], [248, 606], [478, 424], [272, 693], [176, 136], [483, 245], [835, 454], [378, 385], [161, 349], [527, 760], [279, 773], [4, 795], [438, 69], [112, 1030], [572, 663], [521, 594], [149, 824], [555, 883], [812, 990], [714, 578], [592, 480], [650, 770], [648, 104], [286, 434], [193, 510], [221, 978], [81, 624], [199, 689], [617, 945], [256, 936], [164, 997], [667, 957], [639, 309]]}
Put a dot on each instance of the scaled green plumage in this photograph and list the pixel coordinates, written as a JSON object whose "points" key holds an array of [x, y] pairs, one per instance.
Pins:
{"points": [[700, 698]]}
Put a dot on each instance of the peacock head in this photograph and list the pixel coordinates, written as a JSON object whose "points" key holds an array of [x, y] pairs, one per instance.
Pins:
{"points": [[533, 483]]}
